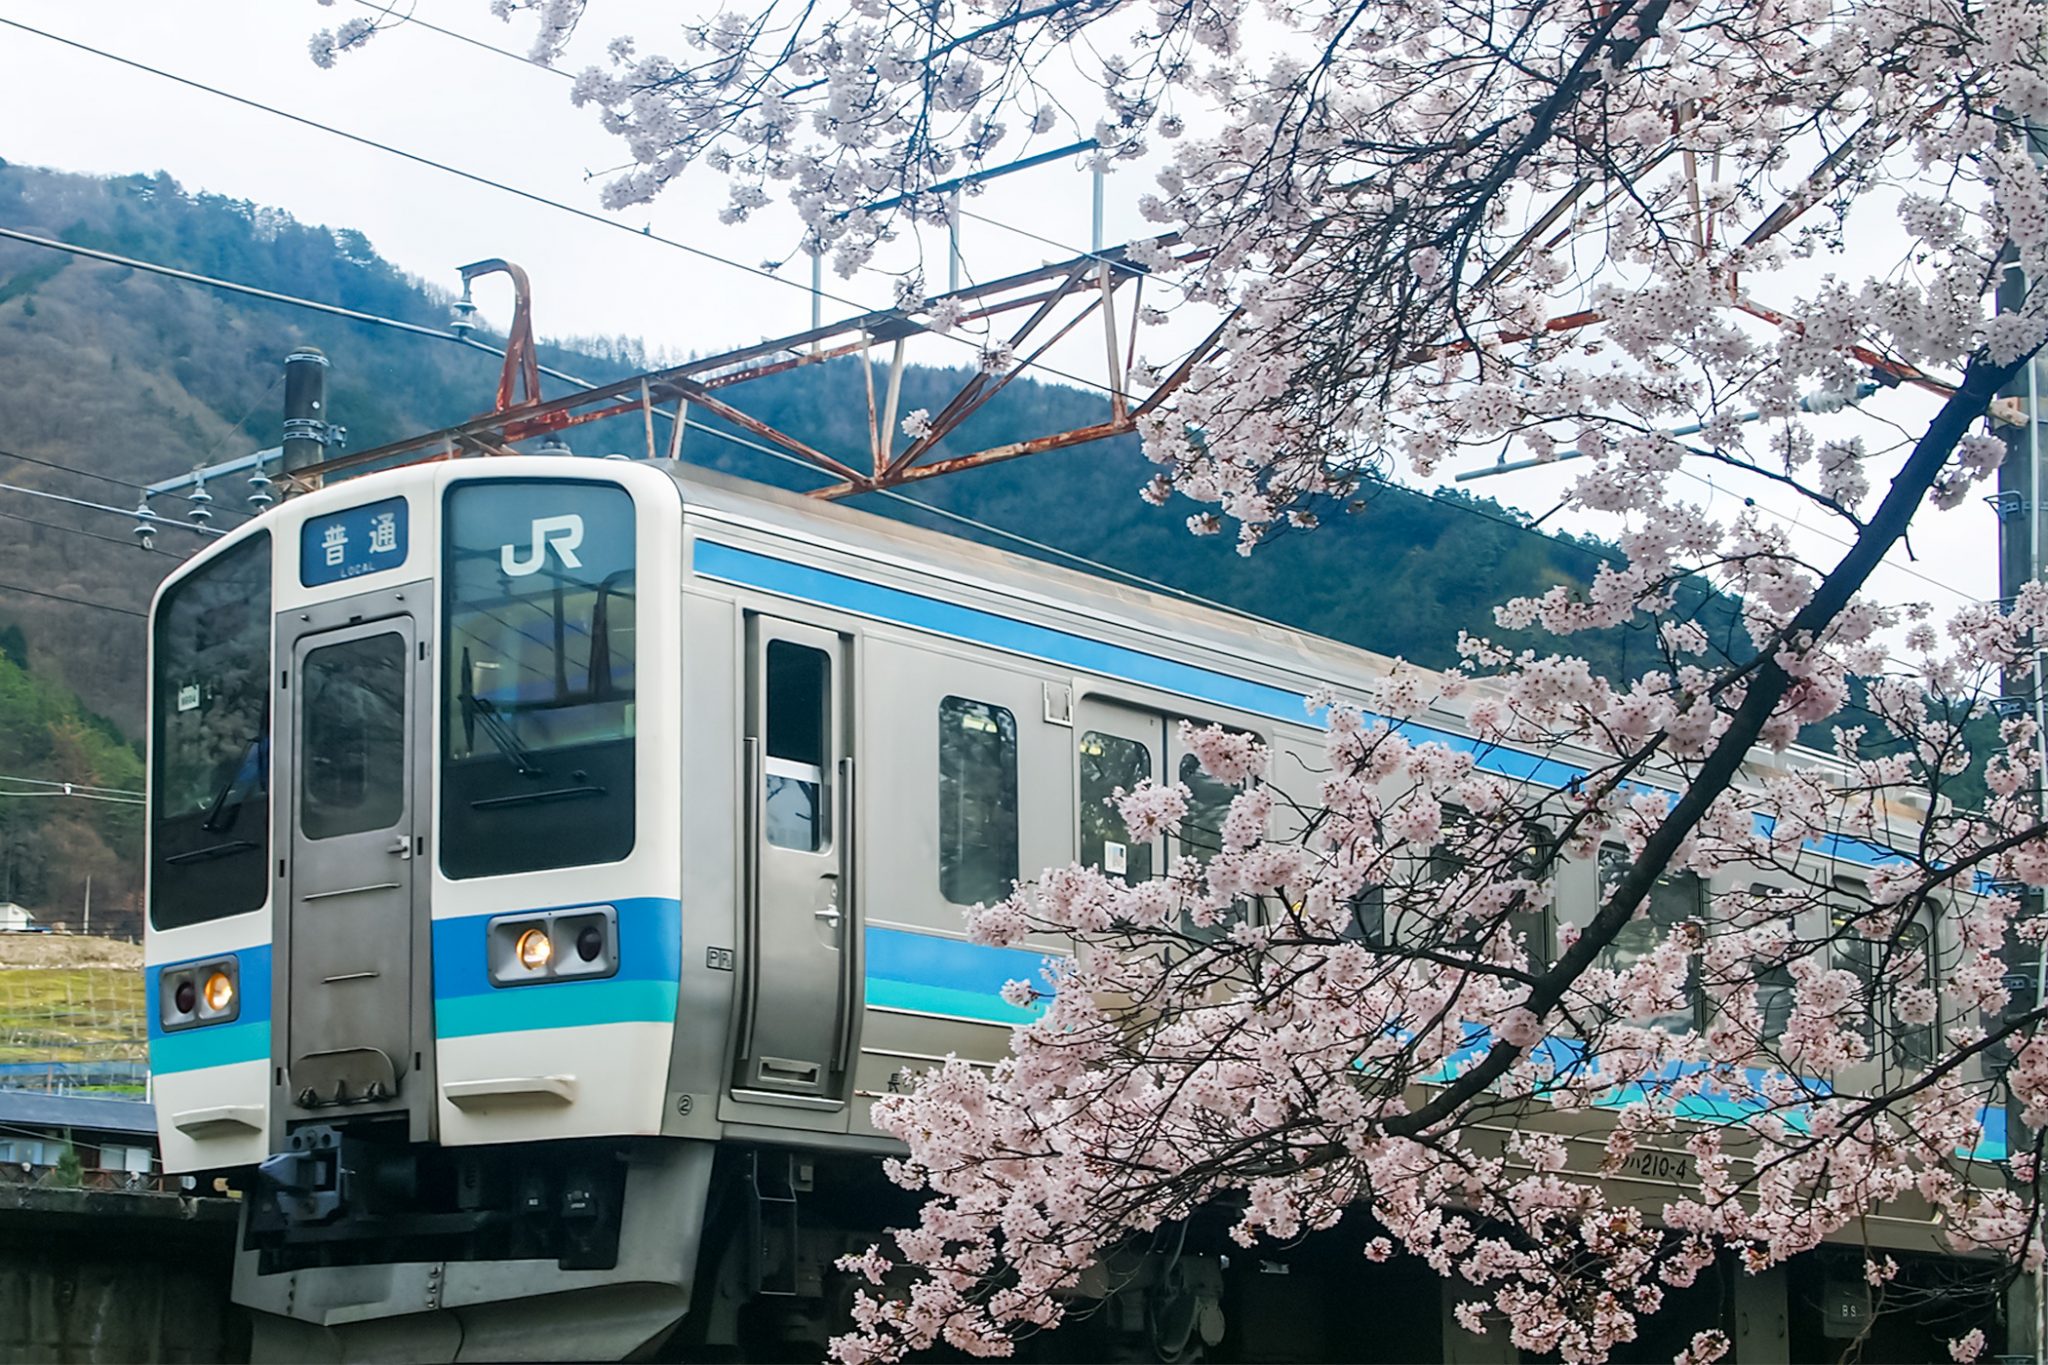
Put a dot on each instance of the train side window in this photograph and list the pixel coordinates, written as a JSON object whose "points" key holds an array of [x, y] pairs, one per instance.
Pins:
{"points": [[977, 801], [1528, 917], [1674, 898], [1107, 763], [1209, 798], [352, 755], [1774, 984], [799, 726], [1848, 903], [1892, 1038]]}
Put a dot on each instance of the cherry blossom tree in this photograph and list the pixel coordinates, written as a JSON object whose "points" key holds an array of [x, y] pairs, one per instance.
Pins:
{"points": [[1431, 231]]}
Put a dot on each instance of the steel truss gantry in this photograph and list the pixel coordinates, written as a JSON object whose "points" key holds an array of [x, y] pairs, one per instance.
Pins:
{"points": [[1026, 314]]}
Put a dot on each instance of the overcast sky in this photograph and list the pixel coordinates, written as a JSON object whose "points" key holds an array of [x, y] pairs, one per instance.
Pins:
{"points": [[499, 118]]}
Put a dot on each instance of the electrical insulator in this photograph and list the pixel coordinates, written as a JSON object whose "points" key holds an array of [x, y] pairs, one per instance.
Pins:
{"points": [[144, 529], [201, 500], [260, 495], [462, 314]]}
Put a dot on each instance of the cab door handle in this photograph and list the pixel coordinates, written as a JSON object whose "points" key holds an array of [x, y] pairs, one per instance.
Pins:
{"points": [[401, 846]]}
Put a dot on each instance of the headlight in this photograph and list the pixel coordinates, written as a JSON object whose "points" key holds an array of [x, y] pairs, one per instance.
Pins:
{"points": [[206, 992], [541, 946], [535, 949], [220, 992]]}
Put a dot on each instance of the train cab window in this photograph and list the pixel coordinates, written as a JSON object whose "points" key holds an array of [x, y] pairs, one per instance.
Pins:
{"points": [[977, 801], [799, 724], [1108, 762], [1674, 898], [538, 651], [210, 813], [352, 752]]}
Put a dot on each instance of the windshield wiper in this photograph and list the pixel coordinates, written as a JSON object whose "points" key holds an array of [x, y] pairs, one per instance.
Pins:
{"points": [[210, 852], [251, 771], [475, 709]]}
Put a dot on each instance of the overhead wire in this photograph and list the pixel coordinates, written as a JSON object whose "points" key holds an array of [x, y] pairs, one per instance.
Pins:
{"points": [[74, 601], [59, 782], [587, 215], [94, 535], [531, 196], [58, 465], [155, 518]]}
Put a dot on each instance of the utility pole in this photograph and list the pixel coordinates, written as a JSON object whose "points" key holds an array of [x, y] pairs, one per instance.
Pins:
{"points": [[2022, 532], [306, 432]]}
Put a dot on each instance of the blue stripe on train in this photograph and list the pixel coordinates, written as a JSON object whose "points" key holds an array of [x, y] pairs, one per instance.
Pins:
{"points": [[949, 976], [750, 569], [643, 991], [247, 1039]]}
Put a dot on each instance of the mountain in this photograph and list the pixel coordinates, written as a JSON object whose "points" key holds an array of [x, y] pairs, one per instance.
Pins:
{"points": [[118, 377]]}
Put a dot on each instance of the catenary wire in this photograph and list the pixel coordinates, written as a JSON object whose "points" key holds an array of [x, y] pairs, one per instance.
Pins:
{"points": [[418, 329], [95, 535], [531, 196], [155, 518], [587, 215], [408, 20], [72, 468], [74, 601], [80, 786]]}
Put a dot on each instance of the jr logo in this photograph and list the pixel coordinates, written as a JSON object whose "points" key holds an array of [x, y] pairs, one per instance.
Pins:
{"points": [[563, 533]]}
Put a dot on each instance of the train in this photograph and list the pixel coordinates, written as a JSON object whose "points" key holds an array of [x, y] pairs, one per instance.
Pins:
{"points": [[551, 858]]}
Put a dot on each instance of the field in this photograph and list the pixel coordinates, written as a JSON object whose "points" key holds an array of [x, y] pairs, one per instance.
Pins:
{"points": [[67, 998]]}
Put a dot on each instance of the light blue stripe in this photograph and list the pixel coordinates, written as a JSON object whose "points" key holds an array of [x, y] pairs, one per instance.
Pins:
{"points": [[935, 974], [210, 1045], [560, 1004]]}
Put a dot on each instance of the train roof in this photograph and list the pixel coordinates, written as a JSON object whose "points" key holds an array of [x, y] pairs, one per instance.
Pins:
{"points": [[1317, 659]]}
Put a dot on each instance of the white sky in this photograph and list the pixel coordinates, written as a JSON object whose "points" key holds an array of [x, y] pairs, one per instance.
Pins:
{"points": [[442, 99]]}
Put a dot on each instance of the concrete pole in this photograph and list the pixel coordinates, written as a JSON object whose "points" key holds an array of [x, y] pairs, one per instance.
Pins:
{"points": [[305, 410]]}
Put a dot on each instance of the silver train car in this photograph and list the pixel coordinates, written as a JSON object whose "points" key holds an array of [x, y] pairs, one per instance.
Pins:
{"points": [[550, 859]]}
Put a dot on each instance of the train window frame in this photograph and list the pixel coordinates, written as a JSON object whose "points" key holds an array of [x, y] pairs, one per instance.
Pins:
{"points": [[1096, 808], [564, 792], [1536, 917], [959, 856], [1783, 985], [379, 787], [796, 745], [210, 858], [1702, 901]]}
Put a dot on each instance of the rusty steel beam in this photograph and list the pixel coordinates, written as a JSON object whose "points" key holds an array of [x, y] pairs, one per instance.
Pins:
{"points": [[851, 336]]}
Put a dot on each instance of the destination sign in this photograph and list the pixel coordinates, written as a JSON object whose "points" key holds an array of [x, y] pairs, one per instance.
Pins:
{"points": [[352, 542]]}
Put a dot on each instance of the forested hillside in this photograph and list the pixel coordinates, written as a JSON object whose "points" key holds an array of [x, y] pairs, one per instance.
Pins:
{"points": [[119, 375]]}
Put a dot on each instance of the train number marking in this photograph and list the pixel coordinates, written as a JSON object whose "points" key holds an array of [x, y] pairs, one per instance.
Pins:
{"points": [[1655, 1165], [564, 533], [718, 959]]}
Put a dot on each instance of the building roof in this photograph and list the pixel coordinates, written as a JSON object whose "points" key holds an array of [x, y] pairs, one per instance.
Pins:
{"points": [[102, 1113]]}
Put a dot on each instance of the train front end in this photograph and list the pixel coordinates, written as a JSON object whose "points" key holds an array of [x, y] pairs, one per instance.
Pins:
{"points": [[414, 930]]}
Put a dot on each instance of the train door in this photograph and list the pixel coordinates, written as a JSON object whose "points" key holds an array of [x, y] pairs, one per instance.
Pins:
{"points": [[352, 944], [803, 984], [1119, 746]]}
